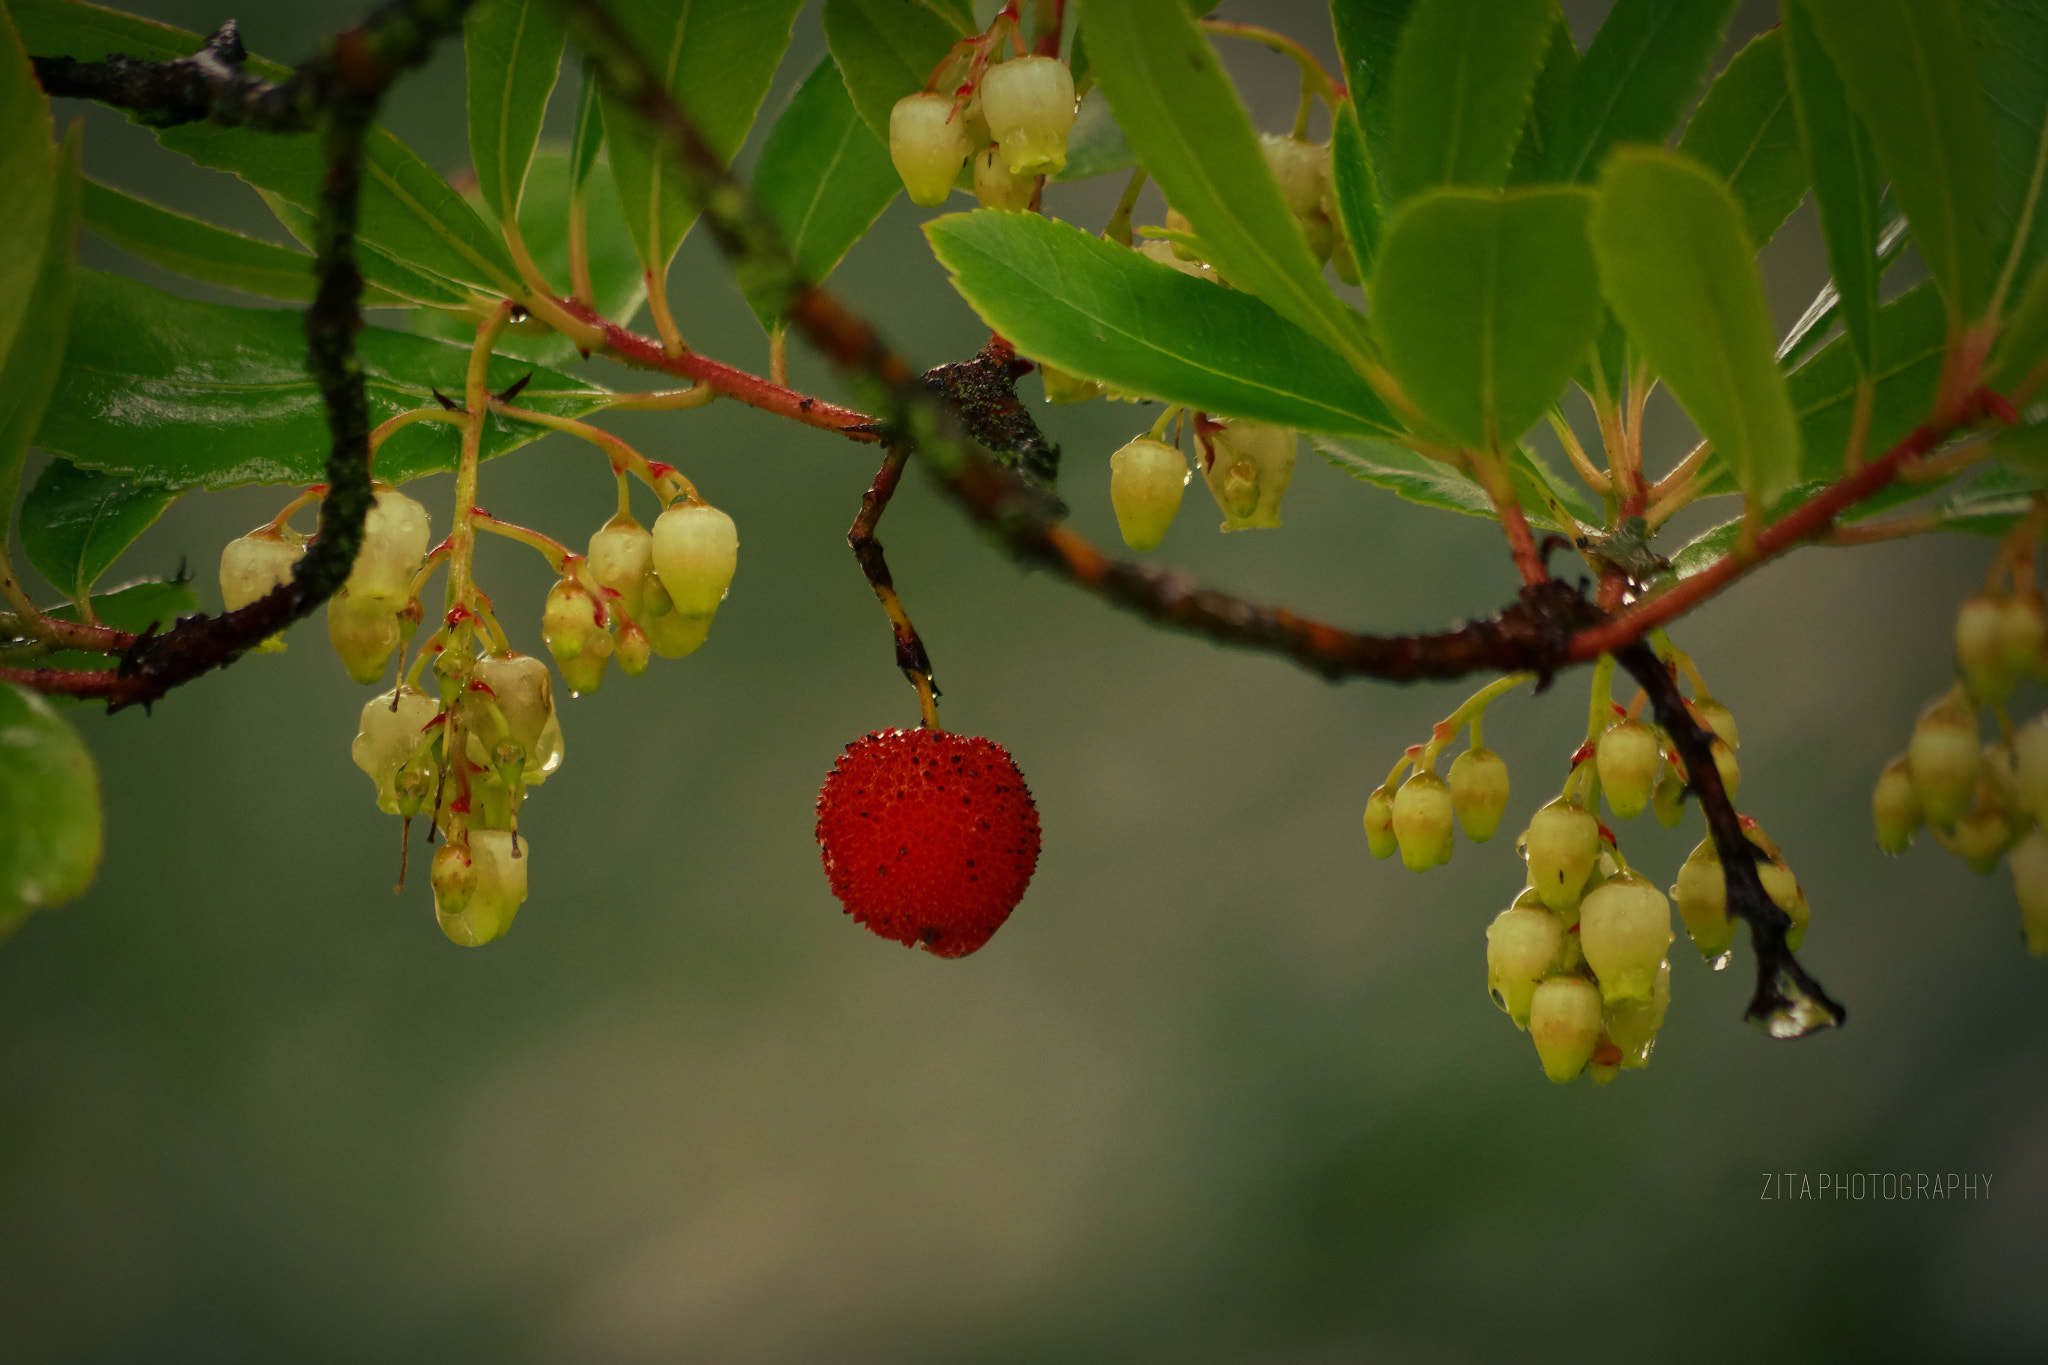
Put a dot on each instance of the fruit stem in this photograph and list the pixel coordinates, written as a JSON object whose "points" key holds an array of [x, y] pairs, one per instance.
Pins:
{"points": [[867, 552]]}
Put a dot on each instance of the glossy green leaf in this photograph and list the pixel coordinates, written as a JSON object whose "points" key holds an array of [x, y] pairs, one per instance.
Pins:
{"points": [[29, 171], [886, 49], [1432, 483], [50, 823], [407, 210], [1996, 502], [1681, 275], [1105, 312], [1356, 191], [1910, 72], [716, 59], [2012, 57], [1818, 321], [175, 393], [1547, 103], [1095, 144], [1484, 303], [76, 522], [1906, 365], [390, 284], [1847, 183], [1641, 71], [1746, 132], [823, 176], [31, 368], [958, 13], [588, 138], [1180, 111], [512, 53], [1462, 83], [1368, 36], [2023, 346]]}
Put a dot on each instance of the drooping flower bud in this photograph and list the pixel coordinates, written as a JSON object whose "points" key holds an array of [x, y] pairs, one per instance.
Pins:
{"points": [[621, 552], [1301, 167], [251, 565], [1170, 254], [1379, 823], [997, 187], [1667, 801], [575, 635], [499, 868], [1627, 759], [1422, 821], [1522, 947], [395, 537], [1248, 466], [1146, 481], [1895, 807], [2030, 767], [929, 146], [1943, 759], [387, 737], [1784, 890], [1564, 1023], [1320, 234], [670, 633], [1061, 387], [1561, 843], [1029, 104], [696, 550], [364, 632], [1702, 896], [1981, 834], [1176, 221], [634, 650], [1717, 718], [1342, 258], [2021, 634], [454, 881], [1980, 651], [2030, 885], [1633, 1025], [1479, 792], [525, 696], [1624, 928], [1727, 767]]}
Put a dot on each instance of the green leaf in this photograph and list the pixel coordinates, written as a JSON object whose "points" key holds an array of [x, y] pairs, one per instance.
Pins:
{"points": [[50, 824], [1462, 83], [1105, 312], [1681, 275], [716, 60], [1747, 132], [76, 522], [823, 176], [174, 393], [1847, 183], [202, 251], [1180, 111], [1432, 483], [1906, 364], [2012, 38], [1484, 303], [588, 138], [2023, 346], [398, 286], [1815, 324], [1368, 36], [958, 13], [1356, 192], [512, 53], [1552, 96], [1095, 145], [1641, 71], [407, 209], [1910, 73], [29, 172], [31, 368], [886, 49]]}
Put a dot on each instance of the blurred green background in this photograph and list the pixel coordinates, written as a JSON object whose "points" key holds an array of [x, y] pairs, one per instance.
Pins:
{"points": [[1224, 1089]]}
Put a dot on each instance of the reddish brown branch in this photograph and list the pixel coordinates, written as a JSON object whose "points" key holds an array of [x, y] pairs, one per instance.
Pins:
{"points": [[87, 684], [867, 551]]}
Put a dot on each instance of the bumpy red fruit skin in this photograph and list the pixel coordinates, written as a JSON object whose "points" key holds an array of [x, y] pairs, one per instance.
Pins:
{"points": [[929, 838]]}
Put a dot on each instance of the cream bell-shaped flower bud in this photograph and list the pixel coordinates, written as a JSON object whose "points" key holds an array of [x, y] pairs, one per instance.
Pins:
{"points": [[1343, 259], [1717, 718], [2030, 767], [1627, 757], [1981, 833], [1560, 845], [996, 187], [1164, 252], [1146, 481], [1320, 234], [1702, 896], [395, 535], [1061, 387], [1725, 764], [1943, 758], [1624, 928], [1564, 1023], [1980, 650], [364, 632], [1029, 104], [1248, 467], [1784, 890], [1667, 801], [1301, 167], [2029, 861], [251, 565], [1522, 947], [524, 694], [634, 650], [2021, 634], [1379, 823], [575, 635], [1479, 792], [696, 550], [621, 553], [1176, 221], [1422, 821], [675, 636], [498, 865], [389, 733], [1633, 1025], [928, 143], [454, 881], [1895, 807]]}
